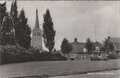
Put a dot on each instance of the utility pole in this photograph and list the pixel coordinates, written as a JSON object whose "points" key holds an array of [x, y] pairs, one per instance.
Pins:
{"points": [[95, 32]]}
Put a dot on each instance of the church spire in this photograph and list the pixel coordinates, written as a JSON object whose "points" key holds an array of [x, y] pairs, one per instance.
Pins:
{"points": [[37, 20]]}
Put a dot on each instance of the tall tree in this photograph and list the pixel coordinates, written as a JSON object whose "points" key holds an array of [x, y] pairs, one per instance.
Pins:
{"points": [[48, 32], [23, 31], [2, 12], [7, 35], [108, 46], [2, 15], [66, 47], [14, 12], [14, 17], [89, 45]]}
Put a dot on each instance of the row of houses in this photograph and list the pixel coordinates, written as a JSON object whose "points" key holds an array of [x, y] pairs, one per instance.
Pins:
{"points": [[79, 51]]}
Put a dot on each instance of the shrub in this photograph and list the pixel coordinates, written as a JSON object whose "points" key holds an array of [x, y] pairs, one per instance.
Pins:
{"points": [[112, 56], [58, 57], [14, 54], [34, 52], [40, 55]]}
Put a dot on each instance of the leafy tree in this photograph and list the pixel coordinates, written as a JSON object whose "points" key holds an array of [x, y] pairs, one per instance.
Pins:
{"points": [[23, 31], [66, 47], [48, 32], [2, 15], [89, 45], [7, 35], [108, 46], [14, 17]]}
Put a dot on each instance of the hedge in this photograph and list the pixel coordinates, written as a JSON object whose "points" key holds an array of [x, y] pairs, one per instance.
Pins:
{"points": [[17, 54]]}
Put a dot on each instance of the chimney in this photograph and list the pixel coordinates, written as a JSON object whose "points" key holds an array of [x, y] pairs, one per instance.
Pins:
{"points": [[75, 40], [109, 37]]}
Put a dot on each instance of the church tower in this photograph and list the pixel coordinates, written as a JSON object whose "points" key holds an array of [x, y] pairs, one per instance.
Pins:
{"points": [[37, 34]]}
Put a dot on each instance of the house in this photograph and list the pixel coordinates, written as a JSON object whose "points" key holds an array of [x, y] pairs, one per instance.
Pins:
{"points": [[79, 51], [116, 43]]}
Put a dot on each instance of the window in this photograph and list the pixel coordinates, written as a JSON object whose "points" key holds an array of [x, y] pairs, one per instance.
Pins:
{"points": [[85, 50], [97, 49], [36, 33], [83, 56]]}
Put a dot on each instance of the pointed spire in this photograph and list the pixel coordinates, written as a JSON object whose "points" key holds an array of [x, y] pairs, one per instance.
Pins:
{"points": [[37, 20]]}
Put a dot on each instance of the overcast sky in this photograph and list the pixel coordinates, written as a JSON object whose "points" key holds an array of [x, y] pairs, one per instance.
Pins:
{"points": [[76, 19]]}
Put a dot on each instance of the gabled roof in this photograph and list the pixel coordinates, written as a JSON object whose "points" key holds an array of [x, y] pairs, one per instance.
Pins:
{"points": [[97, 44], [115, 39], [116, 42], [77, 47]]}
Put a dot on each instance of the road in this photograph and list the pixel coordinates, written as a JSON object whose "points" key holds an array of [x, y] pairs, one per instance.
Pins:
{"points": [[106, 74]]}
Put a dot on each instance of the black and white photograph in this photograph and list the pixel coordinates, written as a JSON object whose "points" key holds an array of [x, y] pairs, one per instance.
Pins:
{"points": [[59, 39]]}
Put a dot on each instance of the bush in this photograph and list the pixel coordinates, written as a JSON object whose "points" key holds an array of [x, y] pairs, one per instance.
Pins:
{"points": [[58, 57], [40, 55], [16, 54], [35, 53], [112, 56]]}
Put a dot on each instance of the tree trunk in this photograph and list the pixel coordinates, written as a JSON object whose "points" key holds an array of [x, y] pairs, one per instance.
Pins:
{"points": [[50, 55]]}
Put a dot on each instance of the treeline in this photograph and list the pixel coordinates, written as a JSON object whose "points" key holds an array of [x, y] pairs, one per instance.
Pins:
{"points": [[106, 46]]}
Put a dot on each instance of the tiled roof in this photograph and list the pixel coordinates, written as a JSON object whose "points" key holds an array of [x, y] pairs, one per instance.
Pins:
{"points": [[77, 47], [97, 44]]}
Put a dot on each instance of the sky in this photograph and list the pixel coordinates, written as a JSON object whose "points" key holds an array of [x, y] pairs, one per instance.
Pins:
{"points": [[76, 19]]}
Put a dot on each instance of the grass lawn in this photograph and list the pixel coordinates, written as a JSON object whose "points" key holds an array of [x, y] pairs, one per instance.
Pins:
{"points": [[55, 68]]}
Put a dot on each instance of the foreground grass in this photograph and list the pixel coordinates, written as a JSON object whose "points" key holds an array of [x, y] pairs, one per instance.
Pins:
{"points": [[56, 68]]}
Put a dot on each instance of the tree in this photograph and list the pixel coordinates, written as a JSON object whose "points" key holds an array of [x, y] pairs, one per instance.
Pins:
{"points": [[14, 17], [89, 45], [7, 35], [14, 12], [2, 12], [66, 47], [23, 31], [2, 15], [108, 46], [48, 32]]}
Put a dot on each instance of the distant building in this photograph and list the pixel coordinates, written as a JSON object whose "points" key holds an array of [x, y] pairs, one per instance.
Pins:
{"points": [[79, 51], [37, 34]]}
